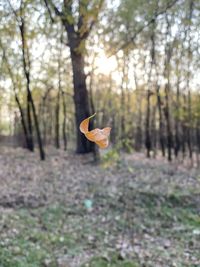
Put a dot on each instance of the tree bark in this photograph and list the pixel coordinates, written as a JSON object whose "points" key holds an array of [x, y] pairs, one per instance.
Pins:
{"points": [[161, 122], [26, 69], [30, 126], [42, 153], [57, 120], [78, 32], [22, 117], [30, 101], [81, 100], [168, 55], [64, 121], [177, 119]]}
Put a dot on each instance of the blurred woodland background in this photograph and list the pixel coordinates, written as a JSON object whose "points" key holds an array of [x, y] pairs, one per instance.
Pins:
{"points": [[134, 63]]}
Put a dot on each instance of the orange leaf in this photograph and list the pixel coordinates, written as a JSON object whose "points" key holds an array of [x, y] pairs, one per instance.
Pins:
{"points": [[103, 143], [85, 124], [98, 136]]}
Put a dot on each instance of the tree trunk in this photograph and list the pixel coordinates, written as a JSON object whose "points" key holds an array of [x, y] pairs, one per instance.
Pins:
{"points": [[22, 117], [81, 100], [42, 153], [198, 137], [154, 132], [30, 126], [138, 132], [168, 123], [161, 122], [64, 121], [23, 122], [96, 152], [57, 118], [123, 104], [168, 55], [189, 124], [177, 120], [147, 128], [78, 28], [30, 101], [189, 53]]}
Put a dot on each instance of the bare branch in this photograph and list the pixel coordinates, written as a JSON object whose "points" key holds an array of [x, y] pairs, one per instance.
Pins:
{"points": [[56, 10], [13, 10], [49, 10], [92, 23]]}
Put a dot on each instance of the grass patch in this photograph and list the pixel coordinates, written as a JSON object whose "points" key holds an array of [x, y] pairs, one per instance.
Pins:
{"points": [[168, 216], [38, 235], [42, 234], [114, 262], [169, 209]]}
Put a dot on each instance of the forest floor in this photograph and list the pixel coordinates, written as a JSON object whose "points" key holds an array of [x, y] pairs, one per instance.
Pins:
{"points": [[68, 212]]}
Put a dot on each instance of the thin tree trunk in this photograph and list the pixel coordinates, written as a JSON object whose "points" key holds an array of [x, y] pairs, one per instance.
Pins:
{"points": [[177, 123], [138, 135], [168, 52], [30, 102], [168, 123], [57, 119], [148, 140], [64, 121], [30, 127], [23, 122], [161, 122], [26, 66], [147, 128], [22, 117], [96, 152], [154, 132], [40, 144], [189, 124]]}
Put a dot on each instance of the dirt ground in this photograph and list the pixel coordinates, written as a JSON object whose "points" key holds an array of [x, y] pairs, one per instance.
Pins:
{"points": [[69, 212]]}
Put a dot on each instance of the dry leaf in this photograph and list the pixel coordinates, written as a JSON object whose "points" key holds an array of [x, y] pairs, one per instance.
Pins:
{"points": [[99, 136]]}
